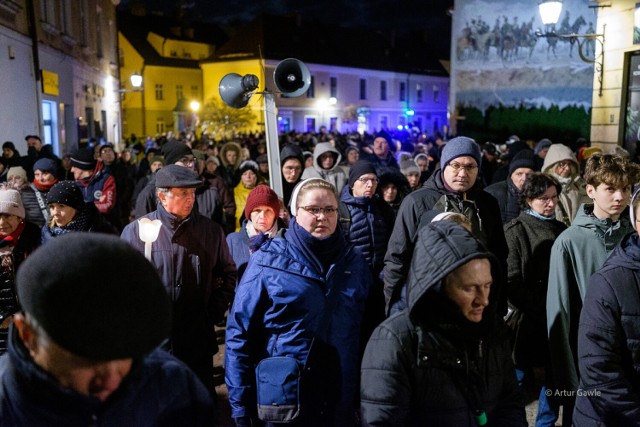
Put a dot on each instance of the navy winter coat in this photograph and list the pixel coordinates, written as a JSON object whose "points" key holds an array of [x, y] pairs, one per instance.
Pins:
{"points": [[277, 311], [158, 392], [608, 342]]}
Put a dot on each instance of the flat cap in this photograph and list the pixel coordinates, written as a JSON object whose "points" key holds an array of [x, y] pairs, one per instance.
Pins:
{"points": [[174, 176]]}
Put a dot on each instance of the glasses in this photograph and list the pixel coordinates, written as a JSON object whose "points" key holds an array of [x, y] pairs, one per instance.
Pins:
{"points": [[546, 200], [292, 168], [368, 180], [564, 164], [467, 168], [187, 161], [315, 211]]}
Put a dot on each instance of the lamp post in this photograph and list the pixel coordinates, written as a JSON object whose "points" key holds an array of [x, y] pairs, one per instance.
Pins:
{"points": [[195, 107], [136, 84], [550, 11], [148, 231]]}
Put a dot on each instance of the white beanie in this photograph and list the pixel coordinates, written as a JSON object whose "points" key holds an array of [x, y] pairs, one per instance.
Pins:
{"points": [[11, 203]]}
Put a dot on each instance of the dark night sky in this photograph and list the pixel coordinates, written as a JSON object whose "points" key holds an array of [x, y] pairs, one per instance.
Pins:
{"points": [[399, 15]]}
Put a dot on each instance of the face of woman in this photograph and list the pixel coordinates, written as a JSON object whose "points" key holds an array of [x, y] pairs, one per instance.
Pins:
{"points": [[8, 224], [44, 177], [323, 224], [545, 204], [249, 179], [262, 218], [61, 214], [389, 193]]}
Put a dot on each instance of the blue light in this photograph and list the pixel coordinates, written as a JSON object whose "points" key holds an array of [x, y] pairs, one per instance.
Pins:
{"points": [[409, 112]]}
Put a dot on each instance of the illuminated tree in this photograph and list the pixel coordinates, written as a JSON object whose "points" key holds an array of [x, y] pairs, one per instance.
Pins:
{"points": [[221, 121]]}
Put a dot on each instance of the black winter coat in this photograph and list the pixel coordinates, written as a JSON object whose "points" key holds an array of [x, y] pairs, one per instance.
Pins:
{"points": [[508, 199], [608, 337]]}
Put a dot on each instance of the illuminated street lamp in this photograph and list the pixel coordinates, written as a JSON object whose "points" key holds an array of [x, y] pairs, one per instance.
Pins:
{"points": [[136, 80], [195, 106], [550, 11]]}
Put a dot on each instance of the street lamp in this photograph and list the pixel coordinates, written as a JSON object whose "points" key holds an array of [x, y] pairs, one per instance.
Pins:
{"points": [[550, 11], [195, 106]]}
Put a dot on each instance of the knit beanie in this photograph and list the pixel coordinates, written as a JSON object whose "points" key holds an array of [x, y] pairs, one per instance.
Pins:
{"points": [[261, 196], [248, 165], [91, 311], [524, 159], [359, 168], [541, 145], [17, 171], [46, 165], [213, 159], [11, 203], [409, 166], [10, 145], [160, 159], [173, 151], [83, 159], [387, 137], [66, 193], [458, 147]]}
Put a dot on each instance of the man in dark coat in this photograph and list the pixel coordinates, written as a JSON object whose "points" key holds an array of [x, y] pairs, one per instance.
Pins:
{"points": [[455, 188], [193, 258], [382, 156], [446, 360], [84, 352]]}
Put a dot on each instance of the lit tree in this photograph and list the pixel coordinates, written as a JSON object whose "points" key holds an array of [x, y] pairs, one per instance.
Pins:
{"points": [[221, 121]]}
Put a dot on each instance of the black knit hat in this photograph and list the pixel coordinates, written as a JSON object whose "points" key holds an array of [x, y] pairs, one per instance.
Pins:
{"points": [[95, 312], [524, 159], [66, 193], [173, 151], [359, 168], [83, 159], [248, 165]]}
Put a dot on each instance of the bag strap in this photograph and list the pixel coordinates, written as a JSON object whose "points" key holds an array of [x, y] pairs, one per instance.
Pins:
{"points": [[41, 202]]}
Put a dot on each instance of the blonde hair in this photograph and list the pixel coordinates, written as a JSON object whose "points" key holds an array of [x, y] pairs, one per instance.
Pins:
{"points": [[307, 185]]}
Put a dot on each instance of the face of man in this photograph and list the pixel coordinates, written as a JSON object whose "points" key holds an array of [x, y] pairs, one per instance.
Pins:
{"points": [[461, 173], [34, 143], [380, 147], [178, 201], [326, 161], [365, 186], [543, 153], [80, 173], [154, 166], [84, 376], [43, 177], [608, 201], [519, 175], [468, 287], [353, 156], [7, 152], [107, 155], [291, 170], [264, 168]]}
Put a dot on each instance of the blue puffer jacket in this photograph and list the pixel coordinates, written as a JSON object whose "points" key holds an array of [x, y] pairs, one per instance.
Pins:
{"points": [[276, 312], [369, 226], [238, 243], [159, 391], [608, 337]]}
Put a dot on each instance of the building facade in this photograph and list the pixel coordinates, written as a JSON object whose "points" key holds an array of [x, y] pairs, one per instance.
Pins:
{"points": [[60, 72]]}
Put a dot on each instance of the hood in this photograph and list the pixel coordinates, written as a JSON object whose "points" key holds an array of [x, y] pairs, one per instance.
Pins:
{"points": [[325, 147], [230, 146], [558, 153], [626, 254], [291, 150], [441, 247]]}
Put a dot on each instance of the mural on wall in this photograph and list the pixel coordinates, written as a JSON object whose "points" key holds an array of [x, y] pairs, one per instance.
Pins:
{"points": [[497, 60], [636, 24]]}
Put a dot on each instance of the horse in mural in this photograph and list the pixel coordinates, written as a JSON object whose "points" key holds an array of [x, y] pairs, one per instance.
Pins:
{"points": [[565, 30]]}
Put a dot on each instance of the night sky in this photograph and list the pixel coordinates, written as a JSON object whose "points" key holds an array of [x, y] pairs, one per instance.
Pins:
{"points": [[402, 15]]}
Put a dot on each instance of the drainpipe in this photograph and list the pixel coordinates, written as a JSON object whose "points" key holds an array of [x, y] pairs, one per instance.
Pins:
{"points": [[33, 33]]}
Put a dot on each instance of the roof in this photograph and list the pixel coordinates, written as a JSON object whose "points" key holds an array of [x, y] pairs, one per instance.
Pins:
{"points": [[277, 38], [136, 29]]}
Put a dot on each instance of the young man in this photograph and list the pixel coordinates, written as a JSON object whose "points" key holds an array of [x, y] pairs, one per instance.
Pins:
{"points": [[576, 254], [84, 352]]}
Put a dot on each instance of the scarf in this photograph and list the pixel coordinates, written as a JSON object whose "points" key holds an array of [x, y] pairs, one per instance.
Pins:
{"points": [[12, 239], [321, 252], [257, 238], [44, 187], [540, 216], [81, 222]]}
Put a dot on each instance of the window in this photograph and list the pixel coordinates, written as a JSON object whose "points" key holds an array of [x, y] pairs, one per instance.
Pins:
{"points": [[99, 41], [436, 93], [363, 89], [195, 93], [50, 123], [48, 12], [310, 124], [160, 125], [383, 90], [419, 92], [333, 124], [403, 91], [84, 24], [311, 92], [333, 87], [179, 92], [159, 92], [65, 17]]}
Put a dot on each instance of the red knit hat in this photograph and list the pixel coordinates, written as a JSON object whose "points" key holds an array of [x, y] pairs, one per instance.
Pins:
{"points": [[261, 196]]}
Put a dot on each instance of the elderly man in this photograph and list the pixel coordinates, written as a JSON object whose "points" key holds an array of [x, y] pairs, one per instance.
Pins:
{"points": [[198, 273], [84, 350], [456, 188], [36, 150], [446, 360], [382, 157], [367, 221]]}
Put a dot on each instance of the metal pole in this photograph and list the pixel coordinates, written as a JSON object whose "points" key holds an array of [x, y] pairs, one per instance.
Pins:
{"points": [[273, 147]]}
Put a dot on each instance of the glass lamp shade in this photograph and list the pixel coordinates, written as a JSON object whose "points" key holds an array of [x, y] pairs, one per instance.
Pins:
{"points": [[148, 229], [550, 11], [136, 80]]}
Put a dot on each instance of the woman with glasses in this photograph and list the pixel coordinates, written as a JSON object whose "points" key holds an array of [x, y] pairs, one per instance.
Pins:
{"points": [[561, 163], [301, 297], [530, 237]]}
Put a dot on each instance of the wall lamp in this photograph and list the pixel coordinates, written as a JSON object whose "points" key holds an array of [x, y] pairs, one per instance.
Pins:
{"points": [[550, 11], [136, 83]]}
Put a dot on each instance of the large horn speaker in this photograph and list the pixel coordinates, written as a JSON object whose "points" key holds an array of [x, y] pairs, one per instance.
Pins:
{"points": [[292, 77], [236, 90]]}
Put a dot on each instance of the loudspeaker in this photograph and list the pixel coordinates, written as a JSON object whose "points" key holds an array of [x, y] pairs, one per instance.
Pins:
{"points": [[292, 77], [236, 90]]}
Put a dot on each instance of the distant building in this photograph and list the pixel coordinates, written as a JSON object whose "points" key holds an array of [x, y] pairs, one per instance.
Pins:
{"points": [[59, 72]]}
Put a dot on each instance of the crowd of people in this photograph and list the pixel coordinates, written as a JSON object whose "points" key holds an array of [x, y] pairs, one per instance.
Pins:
{"points": [[397, 280]]}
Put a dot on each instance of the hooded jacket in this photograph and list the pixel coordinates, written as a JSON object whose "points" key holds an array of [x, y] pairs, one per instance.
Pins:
{"points": [[290, 151], [428, 365], [608, 342], [159, 391], [577, 253], [574, 191], [335, 175], [230, 172], [486, 214]]}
